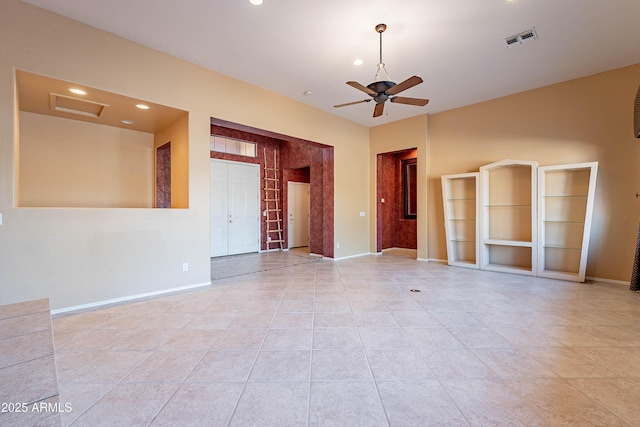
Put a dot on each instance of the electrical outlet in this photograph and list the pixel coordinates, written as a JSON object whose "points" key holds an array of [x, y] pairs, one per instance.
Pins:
{"points": [[338, 245], [185, 266]]}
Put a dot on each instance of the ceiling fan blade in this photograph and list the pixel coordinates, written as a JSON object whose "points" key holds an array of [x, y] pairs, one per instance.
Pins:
{"points": [[378, 110], [410, 82], [410, 101], [351, 103], [362, 88]]}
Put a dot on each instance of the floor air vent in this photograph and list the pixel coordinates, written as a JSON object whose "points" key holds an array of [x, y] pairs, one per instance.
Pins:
{"points": [[523, 37]]}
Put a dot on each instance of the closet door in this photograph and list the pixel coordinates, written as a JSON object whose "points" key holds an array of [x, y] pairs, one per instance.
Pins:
{"points": [[565, 201]]}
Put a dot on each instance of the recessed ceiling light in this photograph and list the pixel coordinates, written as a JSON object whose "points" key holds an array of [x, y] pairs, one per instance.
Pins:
{"points": [[255, 2], [127, 122], [307, 93], [142, 106], [358, 62], [77, 91]]}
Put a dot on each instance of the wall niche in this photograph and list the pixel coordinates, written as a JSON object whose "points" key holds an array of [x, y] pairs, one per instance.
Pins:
{"points": [[82, 147]]}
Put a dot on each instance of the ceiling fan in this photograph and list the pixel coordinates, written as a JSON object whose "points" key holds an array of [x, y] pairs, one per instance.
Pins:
{"points": [[383, 88]]}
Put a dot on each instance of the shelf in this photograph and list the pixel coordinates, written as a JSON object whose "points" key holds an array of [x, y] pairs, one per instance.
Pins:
{"points": [[577, 196], [553, 221], [500, 242], [463, 199], [462, 241], [462, 219], [507, 206], [566, 248]]}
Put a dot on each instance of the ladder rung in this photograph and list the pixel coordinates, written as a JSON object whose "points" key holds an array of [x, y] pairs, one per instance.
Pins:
{"points": [[272, 189], [271, 200], [274, 231], [271, 179], [274, 210], [272, 220], [274, 241], [270, 169]]}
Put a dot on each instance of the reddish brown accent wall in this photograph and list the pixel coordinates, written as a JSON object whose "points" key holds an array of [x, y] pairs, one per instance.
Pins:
{"points": [[392, 229], [300, 161], [320, 164]]}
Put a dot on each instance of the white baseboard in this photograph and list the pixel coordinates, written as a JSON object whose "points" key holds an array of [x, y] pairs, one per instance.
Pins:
{"points": [[351, 256], [128, 298], [617, 282]]}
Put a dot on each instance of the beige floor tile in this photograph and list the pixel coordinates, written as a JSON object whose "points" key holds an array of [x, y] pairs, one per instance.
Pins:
{"points": [[282, 365], [434, 337], [419, 403], [568, 363], [384, 338], [336, 338], [272, 404], [513, 363], [191, 340], [165, 366], [398, 364], [200, 403], [80, 396], [337, 403], [128, 404], [617, 394], [107, 367], [288, 339], [454, 364], [491, 403], [339, 365], [560, 404], [223, 366]]}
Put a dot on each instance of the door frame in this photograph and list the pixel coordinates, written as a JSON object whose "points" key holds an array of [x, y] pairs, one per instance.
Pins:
{"points": [[308, 186], [254, 165]]}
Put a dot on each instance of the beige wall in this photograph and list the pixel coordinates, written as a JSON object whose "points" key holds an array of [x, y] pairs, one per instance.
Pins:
{"points": [[588, 119], [69, 163], [79, 256], [396, 136]]}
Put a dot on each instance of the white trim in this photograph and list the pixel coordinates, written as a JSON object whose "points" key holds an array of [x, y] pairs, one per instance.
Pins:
{"points": [[617, 282], [351, 256], [441, 261], [128, 298]]}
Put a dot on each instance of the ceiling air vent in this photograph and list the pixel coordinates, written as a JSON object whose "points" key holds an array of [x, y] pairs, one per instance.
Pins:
{"points": [[523, 37], [69, 104]]}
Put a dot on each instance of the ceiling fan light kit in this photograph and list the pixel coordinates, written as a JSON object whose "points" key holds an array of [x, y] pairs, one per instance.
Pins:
{"points": [[383, 89]]}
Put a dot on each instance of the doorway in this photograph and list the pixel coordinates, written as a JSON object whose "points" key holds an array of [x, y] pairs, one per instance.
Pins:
{"points": [[235, 208], [396, 191], [163, 176], [298, 210]]}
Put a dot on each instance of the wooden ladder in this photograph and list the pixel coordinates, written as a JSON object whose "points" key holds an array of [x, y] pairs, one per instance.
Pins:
{"points": [[272, 203]]}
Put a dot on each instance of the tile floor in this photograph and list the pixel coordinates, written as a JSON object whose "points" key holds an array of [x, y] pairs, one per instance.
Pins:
{"points": [[345, 343]]}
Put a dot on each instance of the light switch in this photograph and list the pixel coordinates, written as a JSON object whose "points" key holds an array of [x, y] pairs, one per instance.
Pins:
{"points": [[0, 219], [382, 200], [361, 213]]}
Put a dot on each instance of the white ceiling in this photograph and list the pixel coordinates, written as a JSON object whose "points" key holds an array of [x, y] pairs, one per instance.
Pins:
{"points": [[456, 46]]}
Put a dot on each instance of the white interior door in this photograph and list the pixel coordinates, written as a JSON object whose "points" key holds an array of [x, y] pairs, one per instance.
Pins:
{"points": [[298, 208], [244, 208], [235, 208]]}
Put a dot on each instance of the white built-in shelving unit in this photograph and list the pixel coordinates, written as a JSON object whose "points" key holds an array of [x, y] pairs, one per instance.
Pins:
{"points": [[460, 193], [565, 203], [516, 217], [508, 216]]}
